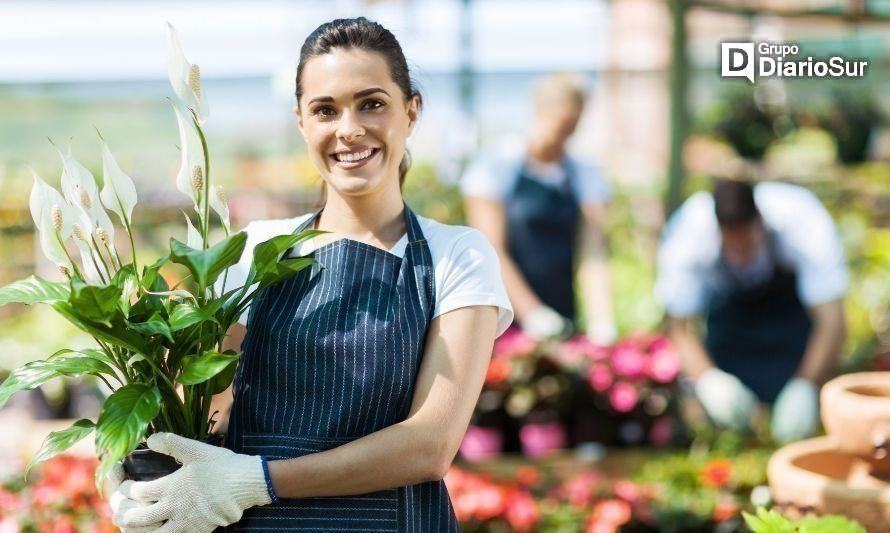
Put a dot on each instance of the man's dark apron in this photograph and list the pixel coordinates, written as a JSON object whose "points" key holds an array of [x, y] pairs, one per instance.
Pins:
{"points": [[759, 334], [542, 230], [330, 356]]}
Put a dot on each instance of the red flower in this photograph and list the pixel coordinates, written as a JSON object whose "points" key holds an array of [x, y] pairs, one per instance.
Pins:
{"points": [[716, 473], [612, 511], [522, 511], [626, 490], [528, 476], [498, 371], [623, 397], [725, 510], [580, 489]]}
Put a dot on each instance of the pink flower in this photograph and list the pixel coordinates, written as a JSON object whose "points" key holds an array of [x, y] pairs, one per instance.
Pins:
{"points": [[623, 397], [522, 511], [596, 526], [579, 490], [481, 442], [659, 342], [539, 440], [600, 377], [513, 343], [612, 511], [664, 365], [626, 490], [9, 525], [662, 431], [629, 361]]}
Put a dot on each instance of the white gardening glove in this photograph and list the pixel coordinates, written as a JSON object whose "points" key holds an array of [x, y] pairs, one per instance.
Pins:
{"points": [[796, 411], [602, 332], [212, 488], [543, 322], [120, 503], [726, 399]]}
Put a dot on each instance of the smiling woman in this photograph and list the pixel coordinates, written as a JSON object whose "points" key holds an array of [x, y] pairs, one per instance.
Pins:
{"points": [[359, 375]]}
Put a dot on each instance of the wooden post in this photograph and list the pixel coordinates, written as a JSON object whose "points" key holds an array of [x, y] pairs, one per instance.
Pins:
{"points": [[679, 117]]}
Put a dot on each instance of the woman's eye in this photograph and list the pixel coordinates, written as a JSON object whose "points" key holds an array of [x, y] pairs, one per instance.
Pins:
{"points": [[372, 104], [324, 111]]}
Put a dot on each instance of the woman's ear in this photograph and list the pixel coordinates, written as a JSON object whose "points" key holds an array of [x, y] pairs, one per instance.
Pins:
{"points": [[413, 110], [299, 120]]}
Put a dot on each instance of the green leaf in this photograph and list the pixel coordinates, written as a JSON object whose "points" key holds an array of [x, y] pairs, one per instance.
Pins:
{"points": [[198, 369], [33, 290], [830, 524], [96, 303], [36, 373], [221, 381], [125, 280], [123, 422], [207, 265], [118, 333], [59, 441], [282, 270], [266, 254], [151, 278], [185, 315], [155, 325]]}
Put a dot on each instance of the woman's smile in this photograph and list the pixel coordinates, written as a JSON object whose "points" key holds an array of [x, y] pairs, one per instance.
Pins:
{"points": [[352, 158]]}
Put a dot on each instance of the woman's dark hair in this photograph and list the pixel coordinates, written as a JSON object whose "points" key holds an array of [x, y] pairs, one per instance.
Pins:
{"points": [[362, 34], [734, 202]]}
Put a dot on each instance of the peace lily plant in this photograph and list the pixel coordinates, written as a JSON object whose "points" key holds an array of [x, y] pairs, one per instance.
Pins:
{"points": [[158, 348]]}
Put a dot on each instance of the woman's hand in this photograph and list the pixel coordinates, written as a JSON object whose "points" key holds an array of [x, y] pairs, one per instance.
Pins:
{"points": [[212, 488]]}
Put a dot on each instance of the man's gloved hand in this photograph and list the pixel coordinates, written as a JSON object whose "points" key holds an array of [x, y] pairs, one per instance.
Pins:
{"points": [[602, 332], [796, 411], [543, 322], [212, 488], [726, 399]]}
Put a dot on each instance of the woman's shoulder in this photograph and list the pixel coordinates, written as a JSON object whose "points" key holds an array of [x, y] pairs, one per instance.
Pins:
{"points": [[263, 229], [448, 240]]}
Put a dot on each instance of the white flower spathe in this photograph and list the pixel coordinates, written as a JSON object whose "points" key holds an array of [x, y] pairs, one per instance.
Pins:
{"points": [[118, 192], [185, 77], [53, 218], [80, 189], [192, 157]]}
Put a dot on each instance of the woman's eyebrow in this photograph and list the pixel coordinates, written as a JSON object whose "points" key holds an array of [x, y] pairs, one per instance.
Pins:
{"points": [[360, 94], [366, 92]]}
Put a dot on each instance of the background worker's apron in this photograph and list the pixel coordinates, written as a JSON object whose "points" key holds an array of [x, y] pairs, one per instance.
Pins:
{"points": [[759, 334], [542, 233], [330, 356]]}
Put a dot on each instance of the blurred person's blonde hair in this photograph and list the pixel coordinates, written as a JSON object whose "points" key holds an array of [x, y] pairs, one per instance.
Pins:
{"points": [[562, 86]]}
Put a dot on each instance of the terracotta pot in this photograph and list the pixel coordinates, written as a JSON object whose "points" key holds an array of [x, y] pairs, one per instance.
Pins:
{"points": [[812, 476], [146, 465], [856, 413]]}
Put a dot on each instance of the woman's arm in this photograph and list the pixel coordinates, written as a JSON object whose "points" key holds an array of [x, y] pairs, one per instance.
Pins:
{"points": [[488, 217], [422, 447], [594, 277], [823, 352]]}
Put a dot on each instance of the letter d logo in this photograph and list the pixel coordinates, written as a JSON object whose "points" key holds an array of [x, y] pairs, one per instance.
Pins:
{"points": [[737, 60]]}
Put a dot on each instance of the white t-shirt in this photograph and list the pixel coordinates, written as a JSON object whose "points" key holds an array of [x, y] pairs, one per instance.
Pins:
{"points": [[493, 175], [806, 241], [466, 267]]}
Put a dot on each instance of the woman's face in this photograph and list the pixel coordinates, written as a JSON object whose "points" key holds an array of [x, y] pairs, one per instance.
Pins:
{"points": [[355, 120]]}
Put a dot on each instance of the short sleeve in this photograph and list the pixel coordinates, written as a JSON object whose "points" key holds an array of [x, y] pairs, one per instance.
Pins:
{"points": [[685, 258], [591, 183], [489, 175], [808, 239], [469, 274]]}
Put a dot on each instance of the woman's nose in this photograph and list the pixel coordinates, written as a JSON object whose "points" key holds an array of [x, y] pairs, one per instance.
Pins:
{"points": [[350, 128]]}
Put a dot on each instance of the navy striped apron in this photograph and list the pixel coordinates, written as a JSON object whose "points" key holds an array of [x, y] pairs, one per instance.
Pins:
{"points": [[330, 356]]}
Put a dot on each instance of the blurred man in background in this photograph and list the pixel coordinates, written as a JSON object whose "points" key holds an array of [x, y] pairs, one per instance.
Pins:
{"points": [[543, 211], [764, 266]]}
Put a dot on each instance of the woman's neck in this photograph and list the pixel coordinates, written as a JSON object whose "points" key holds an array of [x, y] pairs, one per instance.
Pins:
{"points": [[373, 218]]}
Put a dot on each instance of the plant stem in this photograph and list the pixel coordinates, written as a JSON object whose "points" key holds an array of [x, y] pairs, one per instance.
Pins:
{"points": [[102, 259], [206, 220], [73, 266], [133, 251]]}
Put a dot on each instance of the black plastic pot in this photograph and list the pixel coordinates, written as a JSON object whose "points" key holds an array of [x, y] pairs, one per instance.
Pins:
{"points": [[146, 465]]}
